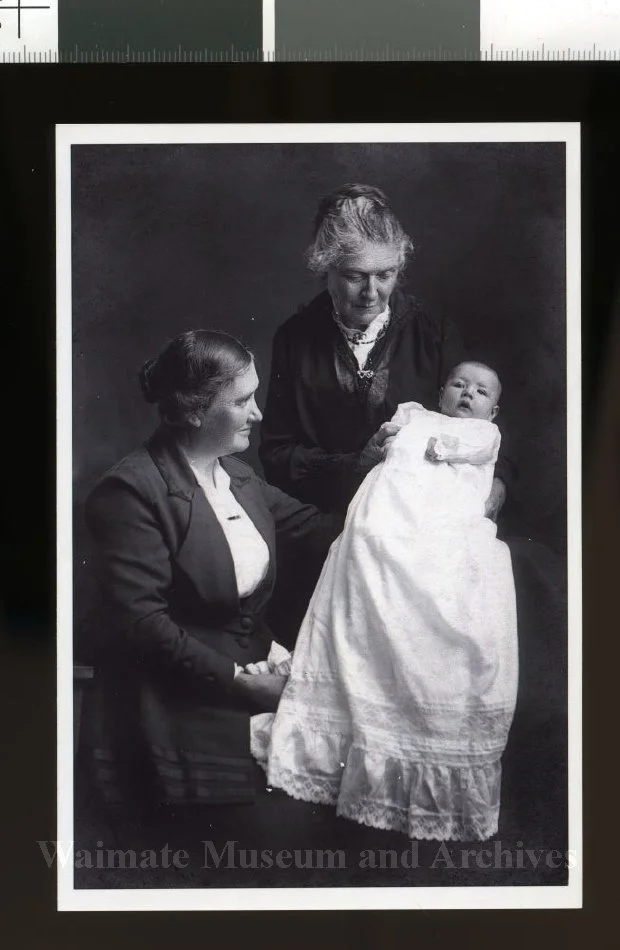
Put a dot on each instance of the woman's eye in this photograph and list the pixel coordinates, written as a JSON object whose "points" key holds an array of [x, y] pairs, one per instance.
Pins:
{"points": [[483, 392]]}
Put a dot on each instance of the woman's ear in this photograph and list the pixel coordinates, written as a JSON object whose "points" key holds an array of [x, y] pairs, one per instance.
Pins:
{"points": [[194, 420], [494, 412], [440, 396]]}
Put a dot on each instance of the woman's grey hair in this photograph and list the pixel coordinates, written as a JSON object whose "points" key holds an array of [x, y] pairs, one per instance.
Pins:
{"points": [[349, 217]]}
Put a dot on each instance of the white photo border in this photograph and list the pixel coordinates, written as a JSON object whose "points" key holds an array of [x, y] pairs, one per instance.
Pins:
{"points": [[334, 898]]}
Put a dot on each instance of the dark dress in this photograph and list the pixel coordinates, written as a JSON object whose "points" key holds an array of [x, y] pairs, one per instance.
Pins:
{"points": [[163, 723]]}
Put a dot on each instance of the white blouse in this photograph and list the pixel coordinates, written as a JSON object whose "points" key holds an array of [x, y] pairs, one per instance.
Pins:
{"points": [[248, 548]]}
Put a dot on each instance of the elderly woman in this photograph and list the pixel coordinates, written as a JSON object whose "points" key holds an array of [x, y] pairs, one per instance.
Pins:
{"points": [[186, 537], [342, 365]]}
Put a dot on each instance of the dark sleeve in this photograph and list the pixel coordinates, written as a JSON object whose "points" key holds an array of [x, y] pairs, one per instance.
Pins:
{"points": [[287, 462], [303, 537], [136, 576], [299, 524], [506, 467]]}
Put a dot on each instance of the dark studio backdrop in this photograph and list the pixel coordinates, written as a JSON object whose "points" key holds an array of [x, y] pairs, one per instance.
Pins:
{"points": [[167, 238]]}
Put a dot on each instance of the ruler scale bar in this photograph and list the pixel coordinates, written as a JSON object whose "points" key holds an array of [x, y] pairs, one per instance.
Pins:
{"points": [[308, 30]]}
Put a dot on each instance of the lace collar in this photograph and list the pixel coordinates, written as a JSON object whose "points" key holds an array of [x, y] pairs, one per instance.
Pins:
{"points": [[365, 337]]}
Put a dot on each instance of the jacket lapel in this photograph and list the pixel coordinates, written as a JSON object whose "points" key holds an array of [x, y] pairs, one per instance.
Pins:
{"points": [[203, 553]]}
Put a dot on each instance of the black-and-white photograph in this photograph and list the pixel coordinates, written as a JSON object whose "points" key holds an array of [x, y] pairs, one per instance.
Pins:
{"points": [[318, 512]]}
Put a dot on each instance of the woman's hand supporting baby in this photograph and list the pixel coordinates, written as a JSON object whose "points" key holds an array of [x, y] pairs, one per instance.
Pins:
{"points": [[264, 689], [496, 499], [376, 448]]}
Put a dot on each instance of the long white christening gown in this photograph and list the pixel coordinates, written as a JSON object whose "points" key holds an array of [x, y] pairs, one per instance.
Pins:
{"points": [[404, 676]]}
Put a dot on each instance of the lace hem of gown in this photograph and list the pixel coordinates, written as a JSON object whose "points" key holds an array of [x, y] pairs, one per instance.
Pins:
{"points": [[424, 801], [384, 816]]}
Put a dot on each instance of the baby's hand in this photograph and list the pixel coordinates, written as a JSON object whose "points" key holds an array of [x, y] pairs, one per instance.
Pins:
{"points": [[438, 449], [256, 669], [431, 450]]}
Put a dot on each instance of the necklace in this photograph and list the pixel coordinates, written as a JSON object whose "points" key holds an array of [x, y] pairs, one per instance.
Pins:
{"points": [[357, 338], [365, 337]]}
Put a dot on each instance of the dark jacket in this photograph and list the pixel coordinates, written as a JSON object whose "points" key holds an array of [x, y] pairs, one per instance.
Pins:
{"points": [[320, 412], [175, 624]]}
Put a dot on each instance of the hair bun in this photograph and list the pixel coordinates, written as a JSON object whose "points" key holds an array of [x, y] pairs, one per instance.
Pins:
{"points": [[364, 198], [148, 383]]}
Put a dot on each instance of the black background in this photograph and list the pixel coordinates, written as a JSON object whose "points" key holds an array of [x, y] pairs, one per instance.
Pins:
{"points": [[168, 238], [32, 99]]}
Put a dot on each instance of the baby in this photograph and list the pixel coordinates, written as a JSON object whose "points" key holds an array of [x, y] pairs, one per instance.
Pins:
{"points": [[403, 682], [472, 391]]}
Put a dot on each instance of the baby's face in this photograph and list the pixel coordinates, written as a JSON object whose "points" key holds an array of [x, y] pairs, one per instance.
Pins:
{"points": [[471, 392]]}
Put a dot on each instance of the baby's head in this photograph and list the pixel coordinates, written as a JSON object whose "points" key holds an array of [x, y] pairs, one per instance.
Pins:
{"points": [[471, 391]]}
